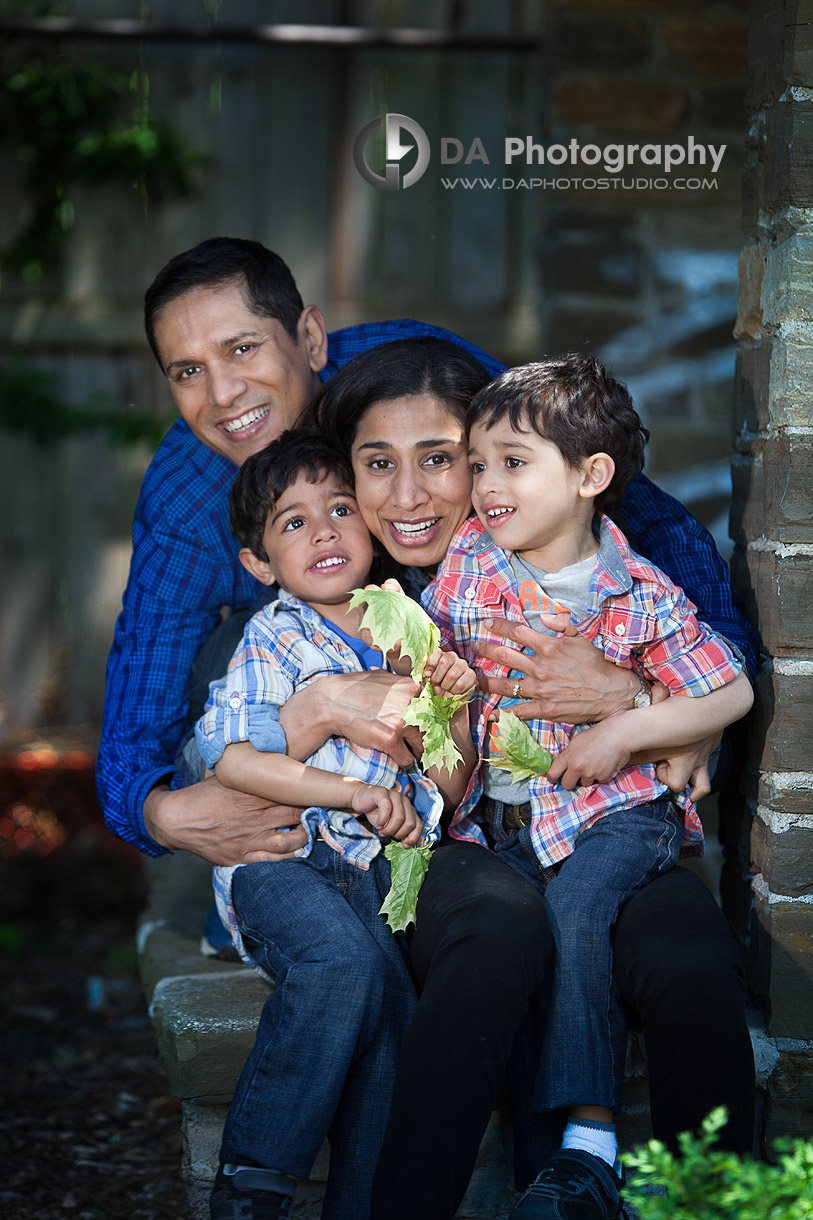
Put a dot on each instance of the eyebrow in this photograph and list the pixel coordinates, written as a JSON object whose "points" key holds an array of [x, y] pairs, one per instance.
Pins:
{"points": [[300, 505], [428, 444], [506, 445], [221, 344]]}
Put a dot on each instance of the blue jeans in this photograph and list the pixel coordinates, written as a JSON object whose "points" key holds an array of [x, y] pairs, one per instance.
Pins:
{"points": [[584, 1037], [324, 1060]]}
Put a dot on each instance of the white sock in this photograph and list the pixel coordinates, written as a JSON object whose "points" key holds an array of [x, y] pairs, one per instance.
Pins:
{"points": [[596, 1138]]}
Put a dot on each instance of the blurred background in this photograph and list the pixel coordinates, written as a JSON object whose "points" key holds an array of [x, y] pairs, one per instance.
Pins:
{"points": [[124, 144]]}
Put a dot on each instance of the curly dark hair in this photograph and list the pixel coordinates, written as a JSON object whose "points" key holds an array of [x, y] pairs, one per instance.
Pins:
{"points": [[264, 476], [573, 402]]}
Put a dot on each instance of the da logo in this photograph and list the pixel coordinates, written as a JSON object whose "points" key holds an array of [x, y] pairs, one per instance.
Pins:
{"points": [[392, 179]]}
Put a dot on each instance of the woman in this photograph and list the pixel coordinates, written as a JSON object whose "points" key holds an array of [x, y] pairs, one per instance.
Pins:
{"points": [[482, 942]]}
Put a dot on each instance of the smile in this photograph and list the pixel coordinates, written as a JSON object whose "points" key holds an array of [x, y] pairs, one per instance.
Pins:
{"points": [[414, 528], [245, 421], [496, 514], [330, 561]]}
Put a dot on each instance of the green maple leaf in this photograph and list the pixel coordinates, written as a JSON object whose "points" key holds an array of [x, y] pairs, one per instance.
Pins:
{"points": [[395, 619], [520, 755], [408, 866], [432, 715]]}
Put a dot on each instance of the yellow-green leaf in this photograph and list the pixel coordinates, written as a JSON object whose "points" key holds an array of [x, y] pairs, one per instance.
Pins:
{"points": [[408, 866], [520, 754]]}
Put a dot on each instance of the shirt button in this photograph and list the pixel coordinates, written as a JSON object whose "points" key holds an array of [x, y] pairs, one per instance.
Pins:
{"points": [[234, 701], [619, 629], [469, 594]]}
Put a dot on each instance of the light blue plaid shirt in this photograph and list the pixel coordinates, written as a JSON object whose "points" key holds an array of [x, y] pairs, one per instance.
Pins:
{"points": [[285, 647]]}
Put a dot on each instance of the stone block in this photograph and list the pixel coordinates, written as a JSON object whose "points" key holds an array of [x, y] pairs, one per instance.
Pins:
{"points": [[749, 309], [781, 721], [787, 283], [705, 47], [747, 520], [786, 792], [752, 380], [766, 53], [205, 1027], [789, 1108], [791, 382], [788, 480], [606, 44], [644, 106], [782, 580], [786, 156], [786, 975], [781, 850]]}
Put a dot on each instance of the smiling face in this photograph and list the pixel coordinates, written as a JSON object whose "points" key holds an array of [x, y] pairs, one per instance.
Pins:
{"points": [[238, 379], [412, 477], [530, 499], [317, 544]]}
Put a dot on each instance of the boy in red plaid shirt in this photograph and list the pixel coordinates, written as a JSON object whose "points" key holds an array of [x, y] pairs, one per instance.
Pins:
{"points": [[552, 447]]}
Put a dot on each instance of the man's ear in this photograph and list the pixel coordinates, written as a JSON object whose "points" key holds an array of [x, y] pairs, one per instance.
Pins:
{"points": [[260, 569], [597, 472], [312, 331]]}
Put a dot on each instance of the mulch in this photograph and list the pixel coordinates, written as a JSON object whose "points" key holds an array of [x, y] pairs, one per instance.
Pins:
{"points": [[87, 1128]]}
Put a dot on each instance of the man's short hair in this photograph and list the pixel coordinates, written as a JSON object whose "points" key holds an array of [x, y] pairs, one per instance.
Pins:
{"points": [[573, 402], [264, 476], [269, 289]]}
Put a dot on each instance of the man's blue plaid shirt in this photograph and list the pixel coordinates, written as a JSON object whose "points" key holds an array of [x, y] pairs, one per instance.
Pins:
{"points": [[185, 568]]}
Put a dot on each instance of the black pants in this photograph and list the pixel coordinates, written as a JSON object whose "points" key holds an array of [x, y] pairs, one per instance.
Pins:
{"points": [[481, 950]]}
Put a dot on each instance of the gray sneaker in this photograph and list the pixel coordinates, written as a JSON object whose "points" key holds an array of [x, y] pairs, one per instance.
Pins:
{"points": [[574, 1185], [241, 1192]]}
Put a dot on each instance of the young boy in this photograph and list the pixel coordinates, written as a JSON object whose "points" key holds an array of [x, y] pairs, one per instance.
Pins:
{"points": [[552, 448], [329, 1034]]}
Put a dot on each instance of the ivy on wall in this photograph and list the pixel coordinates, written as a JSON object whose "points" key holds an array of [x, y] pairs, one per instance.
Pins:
{"points": [[72, 124]]}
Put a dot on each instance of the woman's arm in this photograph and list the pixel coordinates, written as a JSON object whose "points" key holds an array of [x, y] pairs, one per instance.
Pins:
{"points": [[600, 752]]}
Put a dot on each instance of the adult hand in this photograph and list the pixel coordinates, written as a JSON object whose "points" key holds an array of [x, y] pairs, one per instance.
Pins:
{"points": [[222, 826], [567, 679], [366, 708]]}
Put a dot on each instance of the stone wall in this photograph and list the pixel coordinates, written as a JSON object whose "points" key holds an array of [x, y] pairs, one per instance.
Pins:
{"points": [[771, 524]]}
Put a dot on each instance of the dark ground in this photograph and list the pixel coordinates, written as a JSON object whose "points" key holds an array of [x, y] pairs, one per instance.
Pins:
{"points": [[87, 1129]]}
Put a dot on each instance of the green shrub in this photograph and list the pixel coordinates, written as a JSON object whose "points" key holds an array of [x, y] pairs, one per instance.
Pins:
{"points": [[707, 1184]]}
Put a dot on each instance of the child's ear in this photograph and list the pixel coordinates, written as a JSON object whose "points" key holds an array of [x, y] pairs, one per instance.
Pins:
{"points": [[597, 471], [260, 569]]}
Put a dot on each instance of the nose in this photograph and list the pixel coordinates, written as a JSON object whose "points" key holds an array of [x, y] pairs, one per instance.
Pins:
{"points": [[408, 490], [485, 482], [224, 386], [324, 529]]}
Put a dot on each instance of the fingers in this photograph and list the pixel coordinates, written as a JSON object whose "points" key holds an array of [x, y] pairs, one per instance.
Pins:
{"points": [[558, 622], [391, 584], [700, 782], [450, 674], [392, 815]]}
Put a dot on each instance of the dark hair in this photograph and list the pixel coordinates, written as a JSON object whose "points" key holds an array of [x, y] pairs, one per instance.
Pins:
{"points": [[269, 289], [394, 370], [264, 476], [573, 402]]}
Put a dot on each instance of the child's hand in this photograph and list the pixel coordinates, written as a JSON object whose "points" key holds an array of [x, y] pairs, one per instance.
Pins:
{"points": [[392, 815], [449, 674], [591, 757]]}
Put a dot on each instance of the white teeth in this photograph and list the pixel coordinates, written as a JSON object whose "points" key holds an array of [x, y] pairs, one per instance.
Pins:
{"points": [[414, 527], [245, 421], [499, 512], [331, 562]]}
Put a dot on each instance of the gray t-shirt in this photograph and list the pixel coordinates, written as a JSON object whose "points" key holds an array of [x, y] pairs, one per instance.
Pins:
{"points": [[539, 592]]}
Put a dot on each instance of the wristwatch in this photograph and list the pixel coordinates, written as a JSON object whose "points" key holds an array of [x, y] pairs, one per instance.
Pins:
{"points": [[643, 697]]}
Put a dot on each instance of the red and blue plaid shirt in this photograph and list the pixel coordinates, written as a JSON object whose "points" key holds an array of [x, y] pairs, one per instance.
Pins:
{"points": [[637, 617]]}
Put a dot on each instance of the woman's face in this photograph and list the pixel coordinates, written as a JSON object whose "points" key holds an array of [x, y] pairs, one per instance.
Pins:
{"points": [[413, 481]]}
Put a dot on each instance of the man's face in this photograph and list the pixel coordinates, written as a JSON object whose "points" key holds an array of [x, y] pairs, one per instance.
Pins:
{"points": [[238, 379]]}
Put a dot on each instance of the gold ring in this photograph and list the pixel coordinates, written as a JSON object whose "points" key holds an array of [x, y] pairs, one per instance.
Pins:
{"points": [[515, 692]]}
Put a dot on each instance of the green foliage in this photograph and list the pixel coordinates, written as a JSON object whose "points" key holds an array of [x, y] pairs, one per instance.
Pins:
{"points": [[408, 866], [395, 621], [432, 715], [81, 124], [707, 1184], [521, 755], [29, 404]]}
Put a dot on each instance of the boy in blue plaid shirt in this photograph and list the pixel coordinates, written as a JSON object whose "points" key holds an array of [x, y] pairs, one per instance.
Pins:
{"points": [[343, 994]]}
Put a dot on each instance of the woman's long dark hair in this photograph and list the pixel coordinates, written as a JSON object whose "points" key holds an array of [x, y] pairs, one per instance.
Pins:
{"points": [[437, 367]]}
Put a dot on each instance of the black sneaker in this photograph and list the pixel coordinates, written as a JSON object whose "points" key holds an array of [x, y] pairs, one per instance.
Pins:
{"points": [[243, 1193], [574, 1185]]}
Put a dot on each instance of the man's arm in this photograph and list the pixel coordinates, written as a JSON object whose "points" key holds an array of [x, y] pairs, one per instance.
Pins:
{"points": [[661, 529]]}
